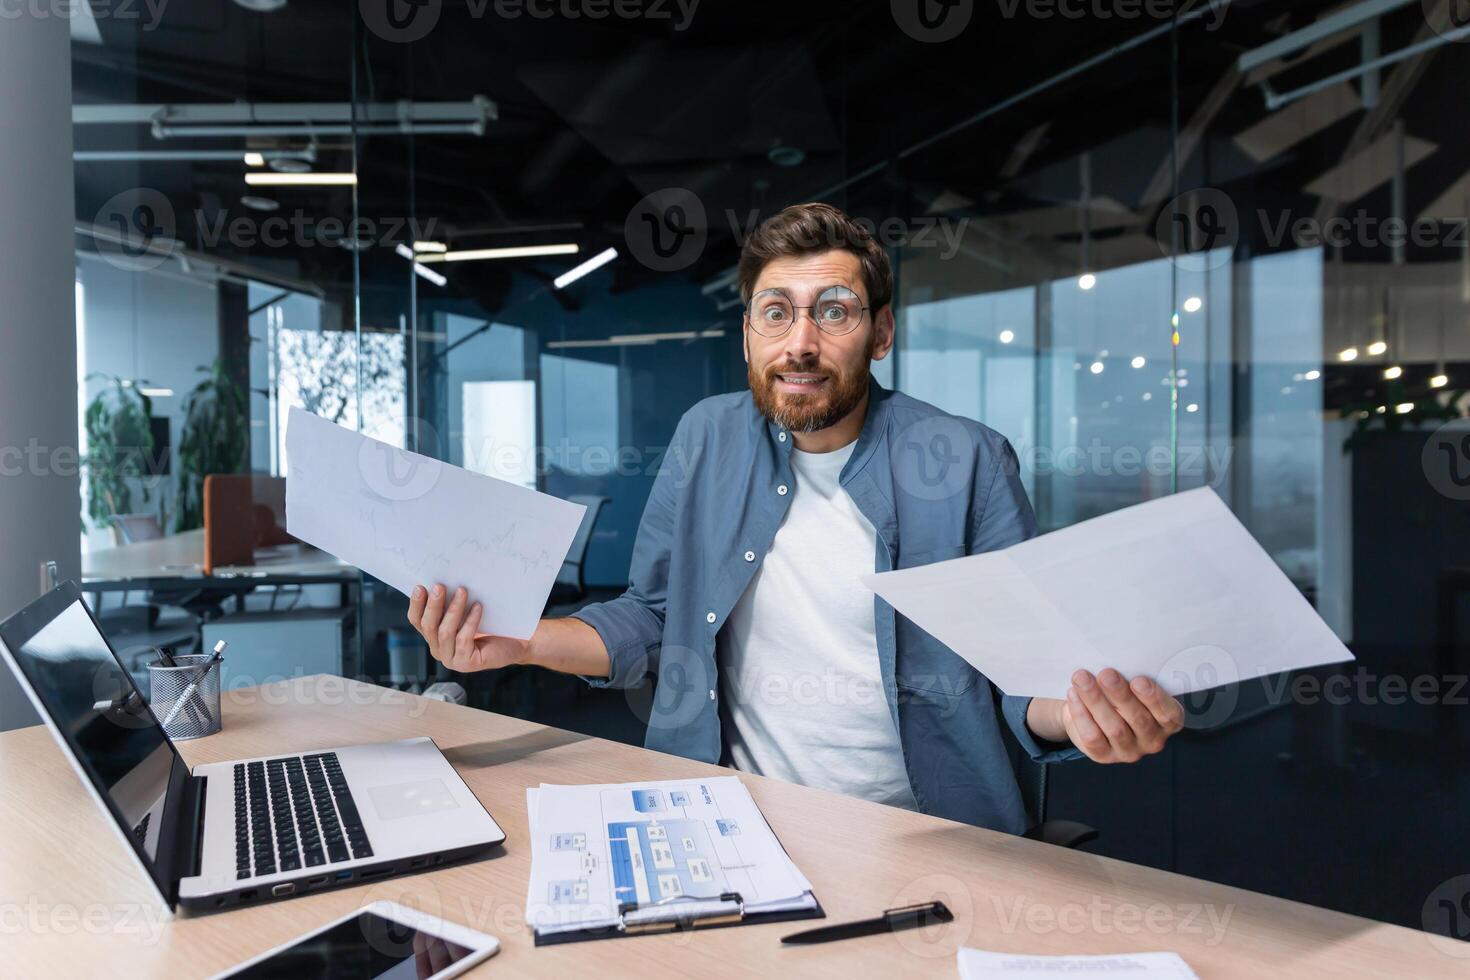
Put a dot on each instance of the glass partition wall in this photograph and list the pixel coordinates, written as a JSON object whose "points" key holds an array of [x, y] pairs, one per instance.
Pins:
{"points": [[1155, 254]]}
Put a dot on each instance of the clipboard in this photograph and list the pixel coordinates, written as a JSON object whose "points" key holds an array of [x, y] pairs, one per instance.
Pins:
{"points": [[682, 913]]}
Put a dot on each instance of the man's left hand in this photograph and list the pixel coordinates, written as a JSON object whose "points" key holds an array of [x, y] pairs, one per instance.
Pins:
{"points": [[1107, 717]]}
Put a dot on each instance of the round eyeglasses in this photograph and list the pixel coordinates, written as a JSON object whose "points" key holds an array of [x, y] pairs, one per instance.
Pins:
{"points": [[837, 311]]}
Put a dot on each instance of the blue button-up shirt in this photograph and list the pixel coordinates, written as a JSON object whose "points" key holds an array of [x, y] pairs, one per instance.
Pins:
{"points": [[933, 485]]}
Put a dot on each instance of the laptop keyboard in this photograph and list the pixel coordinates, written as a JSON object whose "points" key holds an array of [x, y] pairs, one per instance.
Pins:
{"points": [[293, 813]]}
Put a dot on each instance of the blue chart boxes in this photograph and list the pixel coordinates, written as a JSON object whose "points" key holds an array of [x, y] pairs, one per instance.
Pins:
{"points": [[648, 800]]}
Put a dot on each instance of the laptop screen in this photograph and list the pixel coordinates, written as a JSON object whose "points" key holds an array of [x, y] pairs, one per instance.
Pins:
{"points": [[97, 709]]}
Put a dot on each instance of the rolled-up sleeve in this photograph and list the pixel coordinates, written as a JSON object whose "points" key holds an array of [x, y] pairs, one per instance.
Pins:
{"points": [[1002, 518], [632, 625]]}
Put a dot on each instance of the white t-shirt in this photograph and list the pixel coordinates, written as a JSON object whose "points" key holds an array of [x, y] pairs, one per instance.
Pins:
{"points": [[800, 678]]}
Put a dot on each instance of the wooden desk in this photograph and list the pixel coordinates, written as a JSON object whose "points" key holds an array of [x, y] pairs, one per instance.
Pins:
{"points": [[70, 904], [181, 556]]}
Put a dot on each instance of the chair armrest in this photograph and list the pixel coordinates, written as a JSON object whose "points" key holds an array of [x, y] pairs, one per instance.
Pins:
{"points": [[1062, 833]]}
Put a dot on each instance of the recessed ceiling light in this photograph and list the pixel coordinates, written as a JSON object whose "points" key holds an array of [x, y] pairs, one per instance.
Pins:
{"points": [[1193, 304], [1006, 336], [1191, 407], [1439, 381], [1404, 408], [1086, 281], [254, 160], [1394, 372], [1348, 354], [256, 203], [1377, 347], [1312, 375], [1097, 367], [1138, 361]]}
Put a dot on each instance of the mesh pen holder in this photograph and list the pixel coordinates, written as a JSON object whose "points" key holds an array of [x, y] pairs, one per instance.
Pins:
{"points": [[200, 714]]}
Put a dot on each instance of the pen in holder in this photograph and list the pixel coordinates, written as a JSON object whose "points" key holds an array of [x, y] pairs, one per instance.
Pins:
{"points": [[185, 697]]}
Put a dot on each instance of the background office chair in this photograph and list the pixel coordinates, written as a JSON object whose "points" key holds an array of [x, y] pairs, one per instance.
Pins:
{"points": [[571, 580], [1032, 777]]}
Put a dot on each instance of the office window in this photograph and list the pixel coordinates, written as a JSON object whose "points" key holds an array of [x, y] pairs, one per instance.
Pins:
{"points": [[499, 430]]}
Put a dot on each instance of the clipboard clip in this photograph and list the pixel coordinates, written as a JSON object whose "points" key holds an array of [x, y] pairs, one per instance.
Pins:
{"points": [[672, 914]]}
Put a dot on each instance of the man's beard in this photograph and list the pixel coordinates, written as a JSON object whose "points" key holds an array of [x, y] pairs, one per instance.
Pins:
{"points": [[814, 412]]}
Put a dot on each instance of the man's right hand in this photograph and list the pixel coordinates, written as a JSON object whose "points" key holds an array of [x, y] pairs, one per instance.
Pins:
{"points": [[453, 633]]}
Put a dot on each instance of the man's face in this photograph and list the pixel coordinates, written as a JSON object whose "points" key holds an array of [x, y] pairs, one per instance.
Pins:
{"points": [[807, 379]]}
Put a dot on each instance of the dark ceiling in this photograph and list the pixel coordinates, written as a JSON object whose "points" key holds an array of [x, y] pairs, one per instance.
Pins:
{"points": [[595, 114]]}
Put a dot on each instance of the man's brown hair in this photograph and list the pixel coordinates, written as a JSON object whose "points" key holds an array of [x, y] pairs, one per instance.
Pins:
{"points": [[807, 229]]}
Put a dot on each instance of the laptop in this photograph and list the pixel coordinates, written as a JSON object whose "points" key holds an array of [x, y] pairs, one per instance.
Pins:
{"points": [[248, 830]]}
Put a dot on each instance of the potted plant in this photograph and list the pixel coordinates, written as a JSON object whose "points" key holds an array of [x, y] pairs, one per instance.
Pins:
{"points": [[215, 439], [119, 442]]}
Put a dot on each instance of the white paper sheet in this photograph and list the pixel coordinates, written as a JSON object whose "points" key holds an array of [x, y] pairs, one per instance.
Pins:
{"points": [[1174, 588], [680, 840], [977, 964], [411, 520]]}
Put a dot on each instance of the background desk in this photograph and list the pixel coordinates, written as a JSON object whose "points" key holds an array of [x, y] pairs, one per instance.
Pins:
{"points": [[174, 557], [70, 904]]}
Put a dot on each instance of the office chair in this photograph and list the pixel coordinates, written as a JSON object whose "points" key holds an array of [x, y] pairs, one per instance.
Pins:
{"points": [[1032, 778], [571, 580]]}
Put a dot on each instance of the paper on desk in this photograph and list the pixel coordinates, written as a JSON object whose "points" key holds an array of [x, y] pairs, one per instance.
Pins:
{"points": [[977, 964], [411, 520], [1174, 588], [596, 847]]}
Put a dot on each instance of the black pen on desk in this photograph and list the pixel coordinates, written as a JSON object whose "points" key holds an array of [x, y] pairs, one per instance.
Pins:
{"points": [[907, 917]]}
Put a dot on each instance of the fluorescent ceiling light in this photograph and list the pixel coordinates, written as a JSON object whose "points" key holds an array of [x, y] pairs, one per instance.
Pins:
{"points": [[423, 271], [430, 247], [157, 392], [301, 180], [513, 252], [254, 160], [596, 262], [1404, 408], [636, 339]]}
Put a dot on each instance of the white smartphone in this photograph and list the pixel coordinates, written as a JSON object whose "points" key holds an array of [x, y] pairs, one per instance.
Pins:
{"points": [[381, 941]]}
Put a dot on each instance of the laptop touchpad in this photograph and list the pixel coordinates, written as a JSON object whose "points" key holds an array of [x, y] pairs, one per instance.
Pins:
{"points": [[411, 799]]}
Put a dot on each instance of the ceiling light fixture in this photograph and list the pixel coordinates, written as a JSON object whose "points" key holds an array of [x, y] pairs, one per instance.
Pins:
{"points": [[1439, 381], [1086, 281], [301, 180], [1193, 305], [422, 271], [1392, 373], [254, 160], [596, 262], [430, 247], [1377, 347], [513, 252], [257, 203], [1138, 361], [1006, 336], [1348, 354]]}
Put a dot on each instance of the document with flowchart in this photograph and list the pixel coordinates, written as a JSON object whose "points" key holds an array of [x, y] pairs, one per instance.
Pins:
{"points": [[1175, 589], [599, 851], [412, 520]]}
